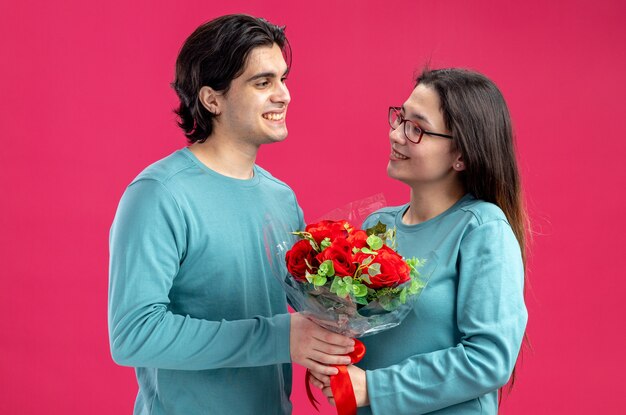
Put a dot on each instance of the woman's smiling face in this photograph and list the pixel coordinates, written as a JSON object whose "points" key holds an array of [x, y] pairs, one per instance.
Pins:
{"points": [[432, 160]]}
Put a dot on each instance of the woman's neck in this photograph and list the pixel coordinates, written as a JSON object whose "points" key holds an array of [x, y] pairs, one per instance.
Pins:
{"points": [[428, 202]]}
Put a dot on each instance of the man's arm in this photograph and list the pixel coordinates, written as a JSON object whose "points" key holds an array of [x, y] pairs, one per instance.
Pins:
{"points": [[147, 243]]}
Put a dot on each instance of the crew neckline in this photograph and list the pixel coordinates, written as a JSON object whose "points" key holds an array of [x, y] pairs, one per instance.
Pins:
{"points": [[400, 213], [251, 182]]}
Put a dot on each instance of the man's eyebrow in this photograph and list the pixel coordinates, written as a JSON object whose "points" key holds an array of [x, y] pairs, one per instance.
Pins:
{"points": [[416, 115], [262, 75], [265, 75]]}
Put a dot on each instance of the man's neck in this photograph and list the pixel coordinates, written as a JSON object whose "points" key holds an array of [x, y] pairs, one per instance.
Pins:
{"points": [[226, 156]]}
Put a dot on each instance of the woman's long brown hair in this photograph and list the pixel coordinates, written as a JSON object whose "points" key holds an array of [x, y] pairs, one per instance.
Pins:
{"points": [[477, 116]]}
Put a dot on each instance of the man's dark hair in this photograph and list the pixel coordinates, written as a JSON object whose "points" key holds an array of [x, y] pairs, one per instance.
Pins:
{"points": [[214, 55]]}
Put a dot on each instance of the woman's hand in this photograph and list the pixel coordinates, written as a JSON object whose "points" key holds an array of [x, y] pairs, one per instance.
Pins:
{"points": [[319, 380], [359, 384]]}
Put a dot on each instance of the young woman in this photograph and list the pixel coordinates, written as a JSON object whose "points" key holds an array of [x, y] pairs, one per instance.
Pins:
{"points": [[452, 144]]}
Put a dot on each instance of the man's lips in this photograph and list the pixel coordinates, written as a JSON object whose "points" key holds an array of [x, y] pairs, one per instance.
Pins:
{"points": [[275, 116]]}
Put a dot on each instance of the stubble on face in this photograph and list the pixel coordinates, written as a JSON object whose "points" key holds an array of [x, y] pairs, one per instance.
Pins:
{"points": [[255, 106]]}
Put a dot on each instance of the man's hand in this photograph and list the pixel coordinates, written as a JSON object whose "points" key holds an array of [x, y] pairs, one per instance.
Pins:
{"points": [[315, 347], [359, 384]]}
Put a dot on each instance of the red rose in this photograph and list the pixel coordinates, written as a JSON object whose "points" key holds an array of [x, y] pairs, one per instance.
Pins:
{"points": [[358, 239], [340, 252], [295, 259], [393, 270], [329, 229]]}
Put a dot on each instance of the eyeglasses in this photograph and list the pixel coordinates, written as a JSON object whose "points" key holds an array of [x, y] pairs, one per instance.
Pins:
{"points": [[412, 131]]}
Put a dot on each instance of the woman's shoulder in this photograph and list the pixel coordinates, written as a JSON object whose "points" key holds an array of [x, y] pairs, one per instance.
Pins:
{"points": [[389, 210], [385, 215], [482, 211]]}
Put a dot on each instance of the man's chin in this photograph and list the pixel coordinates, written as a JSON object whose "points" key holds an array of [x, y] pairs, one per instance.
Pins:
{"points": [[277, 138]]}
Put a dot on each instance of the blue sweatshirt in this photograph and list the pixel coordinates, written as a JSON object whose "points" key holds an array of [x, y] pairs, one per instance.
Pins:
{"points": [[460, 344], [193, 305]]}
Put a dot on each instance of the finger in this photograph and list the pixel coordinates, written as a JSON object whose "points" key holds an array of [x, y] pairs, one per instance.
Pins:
{"points": [[331, 338], [330, 359], [323, 379], [315, 376], [327, 392], [316, 383], [327, 324], [319, 368], [332, 348]]}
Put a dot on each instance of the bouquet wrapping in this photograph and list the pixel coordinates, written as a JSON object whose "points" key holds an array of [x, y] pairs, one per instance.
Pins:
{"points": [[348, 280]]}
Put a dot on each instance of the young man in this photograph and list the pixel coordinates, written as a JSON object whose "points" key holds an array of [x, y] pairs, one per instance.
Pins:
{"points": [[193, 305]]}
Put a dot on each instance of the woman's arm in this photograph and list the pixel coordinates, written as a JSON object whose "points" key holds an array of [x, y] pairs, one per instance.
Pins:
{"points": [[491, 316]]}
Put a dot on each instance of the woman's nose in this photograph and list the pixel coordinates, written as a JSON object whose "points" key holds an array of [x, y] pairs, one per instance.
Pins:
{"points": [[397, 135]]}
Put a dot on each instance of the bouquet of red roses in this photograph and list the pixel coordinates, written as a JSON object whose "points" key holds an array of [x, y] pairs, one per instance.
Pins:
{"points": [[351, 281]]}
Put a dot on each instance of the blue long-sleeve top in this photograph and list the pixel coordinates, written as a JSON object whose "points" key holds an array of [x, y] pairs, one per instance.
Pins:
{"points": [[461, 342], [193, 305]]}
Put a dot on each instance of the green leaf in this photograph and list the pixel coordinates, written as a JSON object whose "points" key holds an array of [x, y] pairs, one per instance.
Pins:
{"points": [[390, 237], [325, 243], [416, 286], [374, 242], [385, 303], [308, 237], [373, 269], [359, 290], [326, 269], [310, 277], [360, 300], [343, 291], [368, 251], [318, 281], [414, 264], [367, 260], [303, 235], [378, 229], [335, 285], [366, 278], [403, 295]]}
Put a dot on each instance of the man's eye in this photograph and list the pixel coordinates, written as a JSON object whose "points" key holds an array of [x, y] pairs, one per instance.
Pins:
{"points": [[262, 84], [284, 80]]}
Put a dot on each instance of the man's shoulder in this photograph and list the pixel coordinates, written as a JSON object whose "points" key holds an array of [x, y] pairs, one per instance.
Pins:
{"points": [[270, 180], [166, 168]]}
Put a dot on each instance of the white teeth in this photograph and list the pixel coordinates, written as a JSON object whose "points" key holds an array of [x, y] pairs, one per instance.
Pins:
{"points": [[398, 155], [274, 116]]}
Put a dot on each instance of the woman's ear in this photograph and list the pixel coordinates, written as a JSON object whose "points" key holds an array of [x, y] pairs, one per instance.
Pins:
{"points": [[209, 99], [459, 164]]}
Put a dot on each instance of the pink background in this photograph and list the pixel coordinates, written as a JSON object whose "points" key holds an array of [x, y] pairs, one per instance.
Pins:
{"points": [[86, 104]]}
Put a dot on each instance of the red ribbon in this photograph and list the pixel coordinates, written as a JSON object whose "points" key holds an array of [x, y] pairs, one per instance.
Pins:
{"points": [[340, 384]]}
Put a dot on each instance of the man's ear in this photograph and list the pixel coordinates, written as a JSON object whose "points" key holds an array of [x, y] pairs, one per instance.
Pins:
{"points": [[209, 99]]}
